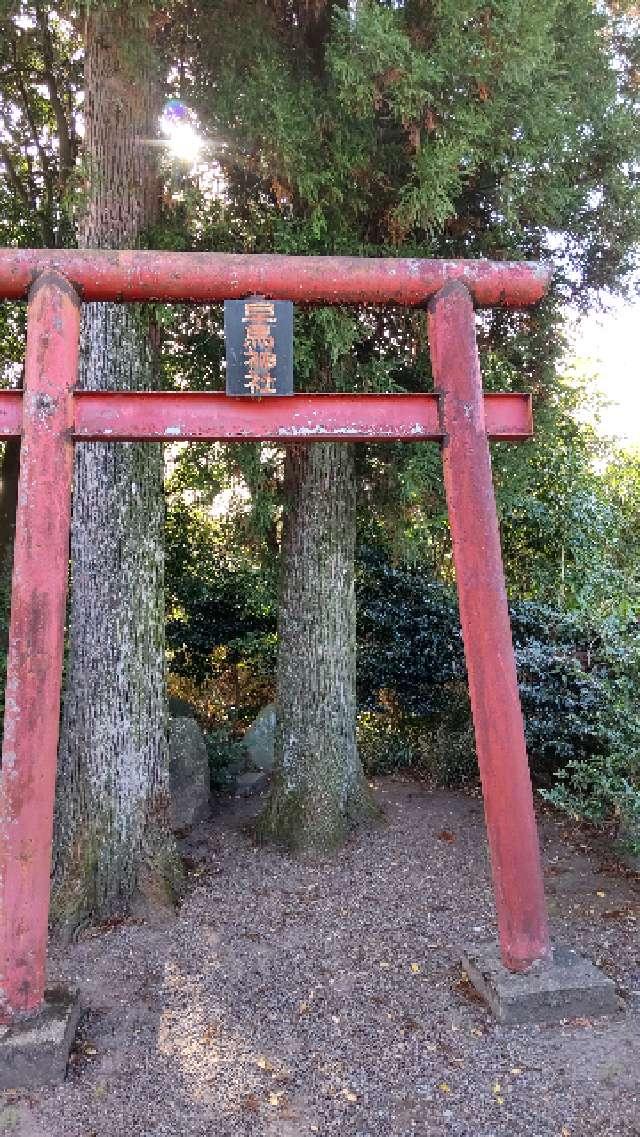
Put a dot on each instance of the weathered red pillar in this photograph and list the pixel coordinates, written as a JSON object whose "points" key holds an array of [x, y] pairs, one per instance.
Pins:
{"points": [[493, 686], [36, 636]]}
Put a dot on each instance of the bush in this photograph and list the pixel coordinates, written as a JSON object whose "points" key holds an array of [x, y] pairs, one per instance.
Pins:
{"points": [[409, 640], [578, 687], [384, 746], [579, 682], [226, 756], [221, 617]]}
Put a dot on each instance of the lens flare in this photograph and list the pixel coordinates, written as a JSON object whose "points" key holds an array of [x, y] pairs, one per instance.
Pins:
{"points": [[183, 141]]}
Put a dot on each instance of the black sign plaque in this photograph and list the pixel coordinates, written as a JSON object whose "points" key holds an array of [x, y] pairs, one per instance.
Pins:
{"points": [[258, 337]]}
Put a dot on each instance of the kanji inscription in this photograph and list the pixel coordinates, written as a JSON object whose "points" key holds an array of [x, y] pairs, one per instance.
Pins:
{"points": [[259, 346]]}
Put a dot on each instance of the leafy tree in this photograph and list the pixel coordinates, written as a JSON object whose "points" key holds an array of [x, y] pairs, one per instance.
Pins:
{"points": [[40, 81], [429, 129]]}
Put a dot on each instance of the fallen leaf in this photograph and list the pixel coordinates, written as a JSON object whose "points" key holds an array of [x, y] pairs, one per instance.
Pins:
{"points": [[415, 967], [350, 1096], [600, 893], [446, 835], [264, 1064], [445, 1087], [497, 1087], [516, 1070], [274, 1099], [250, 1103]]}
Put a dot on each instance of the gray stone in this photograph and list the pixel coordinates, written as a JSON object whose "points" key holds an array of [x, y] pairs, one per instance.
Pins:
{"points": [[563, 987], [188, 774], [260, 737], [34, 1049], [180, 708], [252, 783]]}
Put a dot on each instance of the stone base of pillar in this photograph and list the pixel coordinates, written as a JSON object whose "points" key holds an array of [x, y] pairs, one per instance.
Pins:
{"points": [[566, 986], [34, 1048]]}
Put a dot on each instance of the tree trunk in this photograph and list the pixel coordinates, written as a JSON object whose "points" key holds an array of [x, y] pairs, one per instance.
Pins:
{"points": [[9, 474], [318, 792], [112, 835]]}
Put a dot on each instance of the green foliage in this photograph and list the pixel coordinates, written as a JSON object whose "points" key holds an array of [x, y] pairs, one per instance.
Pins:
{"points": [[409, 640], [604, 786], [225, 754], [604, 792], [40, 83], [439, 130], [216, 598], [442, 129], [578, 681], [447, 126], [385, 746]]}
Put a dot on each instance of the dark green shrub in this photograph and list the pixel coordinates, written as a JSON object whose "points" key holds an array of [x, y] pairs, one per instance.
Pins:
{"points": [[385, 744], [409, 639], [226, 757], [221, 613], [578, 682]]}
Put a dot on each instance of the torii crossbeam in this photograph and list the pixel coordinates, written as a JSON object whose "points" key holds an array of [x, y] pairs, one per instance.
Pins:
{"points": [[51, 416]]}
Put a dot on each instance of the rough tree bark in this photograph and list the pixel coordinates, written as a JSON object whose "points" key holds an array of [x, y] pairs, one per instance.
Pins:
{"points": [[318, 792], [9, 474], [111, 831]]}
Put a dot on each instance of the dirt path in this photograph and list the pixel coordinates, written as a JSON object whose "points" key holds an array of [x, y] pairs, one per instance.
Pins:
{"points": [[292, 999]]}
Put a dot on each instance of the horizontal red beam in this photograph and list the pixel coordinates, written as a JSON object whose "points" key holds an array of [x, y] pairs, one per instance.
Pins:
{"points": [[206, 277], [168, 416]]}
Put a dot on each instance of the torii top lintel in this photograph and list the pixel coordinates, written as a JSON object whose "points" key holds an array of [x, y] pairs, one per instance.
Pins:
{"points": [[142, 275]]}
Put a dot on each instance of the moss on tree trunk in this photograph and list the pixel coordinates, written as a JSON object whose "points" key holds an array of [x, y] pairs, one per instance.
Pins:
{"points": [[318, 793]]}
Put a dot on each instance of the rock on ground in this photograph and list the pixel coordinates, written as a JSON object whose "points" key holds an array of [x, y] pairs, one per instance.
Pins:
{"points": [[293, 998], [259, 739], [188, 774]]}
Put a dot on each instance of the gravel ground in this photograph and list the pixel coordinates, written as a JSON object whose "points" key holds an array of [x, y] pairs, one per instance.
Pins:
{"points": [[298, 998]]}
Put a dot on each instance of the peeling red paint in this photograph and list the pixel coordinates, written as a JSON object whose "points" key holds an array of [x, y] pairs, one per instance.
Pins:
{"points": [[212, 416], [484, 614], [206, 277], [208, 415], [34, 664]]}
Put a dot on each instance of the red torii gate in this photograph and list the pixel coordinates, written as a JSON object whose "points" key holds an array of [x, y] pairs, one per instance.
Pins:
{"points": [[51, 416]]}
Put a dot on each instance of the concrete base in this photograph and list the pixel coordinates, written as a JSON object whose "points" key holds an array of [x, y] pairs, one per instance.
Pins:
{"points": [[34, 1049], [564, 987]]}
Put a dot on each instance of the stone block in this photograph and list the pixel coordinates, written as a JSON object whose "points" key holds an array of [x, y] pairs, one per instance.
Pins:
{"points": [[260, 738], [34, 1049], [189, 782], [565, 986]]}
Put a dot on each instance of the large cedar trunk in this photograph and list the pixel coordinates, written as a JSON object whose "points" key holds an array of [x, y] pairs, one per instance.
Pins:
{"points": [[111, 830], [9, 474], [318, 792]]}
